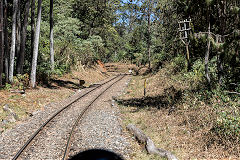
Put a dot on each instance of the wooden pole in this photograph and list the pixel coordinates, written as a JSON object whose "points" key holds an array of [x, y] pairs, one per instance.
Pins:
{"points": [[183, 32], [188, 57], [145, 86]]}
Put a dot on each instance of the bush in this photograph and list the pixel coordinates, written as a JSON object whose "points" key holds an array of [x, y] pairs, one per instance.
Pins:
{"points": [[228, 125], [20, 81], [178, 63], [197, 73], [90, 50], [44, 72]]}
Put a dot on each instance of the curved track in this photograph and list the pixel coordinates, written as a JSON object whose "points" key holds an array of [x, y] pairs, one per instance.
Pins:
{"points": [[36, 133], [66, 152]]}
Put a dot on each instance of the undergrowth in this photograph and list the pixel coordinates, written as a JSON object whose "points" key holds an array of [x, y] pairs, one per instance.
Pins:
{"points": [[201, 123], [225, 107]]}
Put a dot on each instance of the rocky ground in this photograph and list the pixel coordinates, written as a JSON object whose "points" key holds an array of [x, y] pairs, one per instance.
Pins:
{"points": [[100, 129], [22, 114]]}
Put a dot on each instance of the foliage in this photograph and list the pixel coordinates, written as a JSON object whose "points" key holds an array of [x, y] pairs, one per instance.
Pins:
{"points": [[8, 86], [20, 81], [228, 125], [89, 30], [178, 63]]}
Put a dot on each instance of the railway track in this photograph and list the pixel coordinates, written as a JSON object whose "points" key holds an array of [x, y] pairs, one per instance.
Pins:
{"points": [[102, 87]]}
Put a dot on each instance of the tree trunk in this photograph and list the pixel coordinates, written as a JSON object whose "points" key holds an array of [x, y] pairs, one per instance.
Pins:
{"points": [[51, 35], [13, 46], [32, 24], [23, 39], [36, 43], [220, 67], [150, 147], [220, 54], [6, 55], [207, 57], [149, 33], [18, 29], [1, 41], [188, 57]]}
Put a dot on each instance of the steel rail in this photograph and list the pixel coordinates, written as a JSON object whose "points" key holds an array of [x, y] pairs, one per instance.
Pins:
{"points": [[52, 117], [68, 145]]}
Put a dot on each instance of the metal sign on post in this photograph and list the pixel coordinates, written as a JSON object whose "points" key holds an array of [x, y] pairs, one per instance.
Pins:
{"points": [[184, 32]]}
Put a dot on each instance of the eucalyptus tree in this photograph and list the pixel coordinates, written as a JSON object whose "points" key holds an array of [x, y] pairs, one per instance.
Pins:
{"points": [[51, 35], [32, 24], [36, 44], [1, 41], [6, 44], [142, 14], [13, 45], [18, 29], [21, 56], [148, 8], [95, 15]]}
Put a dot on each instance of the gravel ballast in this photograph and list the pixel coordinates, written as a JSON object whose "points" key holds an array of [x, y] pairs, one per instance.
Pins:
{"points": [[100, 128]]}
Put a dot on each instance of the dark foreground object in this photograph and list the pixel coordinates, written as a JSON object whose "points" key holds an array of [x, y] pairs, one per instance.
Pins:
{"points": [[96, 154]]}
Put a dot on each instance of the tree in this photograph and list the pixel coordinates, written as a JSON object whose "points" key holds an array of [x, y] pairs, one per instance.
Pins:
{"points": [[149, 13], [208, 50], [23, 39], [6, 48], [95, 15], [207, 56], [18, 30], [13, 46], [36, 44], [1, 41], [51, 35], [32, 24]]}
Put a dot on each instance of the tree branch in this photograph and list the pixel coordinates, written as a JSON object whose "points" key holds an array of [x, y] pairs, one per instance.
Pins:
{"points": [[150, 147]]}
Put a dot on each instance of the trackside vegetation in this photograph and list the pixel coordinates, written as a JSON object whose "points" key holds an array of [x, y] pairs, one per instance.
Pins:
{"points": [[42, 39]]}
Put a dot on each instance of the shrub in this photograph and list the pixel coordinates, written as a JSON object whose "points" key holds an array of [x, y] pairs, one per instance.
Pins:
{"points": [[178, 63], [228, 125], [44, 72]]}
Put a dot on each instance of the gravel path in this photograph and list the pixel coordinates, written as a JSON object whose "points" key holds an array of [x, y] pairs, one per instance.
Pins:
{"points": [[50, 143]]}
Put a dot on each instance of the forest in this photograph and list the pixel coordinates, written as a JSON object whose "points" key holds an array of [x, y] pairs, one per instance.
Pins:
{"points": [[39, 39], [43, 38]]}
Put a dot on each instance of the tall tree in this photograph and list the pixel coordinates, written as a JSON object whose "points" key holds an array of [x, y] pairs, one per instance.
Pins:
{"points": [[36, 43], [23, 39], [51, 35], [149, 13], [6, 55], [1, 41], [32, 24], [94, 14], [13, 46], [18, 29]]}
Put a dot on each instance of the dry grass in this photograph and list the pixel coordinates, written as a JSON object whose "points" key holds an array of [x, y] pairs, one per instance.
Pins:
{"points": [[186, 131], [119, 67]]}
